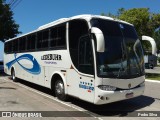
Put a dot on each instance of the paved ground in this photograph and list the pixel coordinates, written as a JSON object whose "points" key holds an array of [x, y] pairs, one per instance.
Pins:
{"points": [[155, 70], [24, 96]]}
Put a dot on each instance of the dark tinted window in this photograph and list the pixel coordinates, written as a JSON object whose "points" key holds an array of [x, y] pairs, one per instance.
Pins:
{"points": [[31, 41], [129, 31], [1, 63], [77, 29], [22, 44], [61, 36], [109, 28], [58, 36], [6, 47], [12, 46], [123, 57], [9, 46], [45, 39], [85, 53], [15, 45], [33, 38], [39, 40], [53, 37]]}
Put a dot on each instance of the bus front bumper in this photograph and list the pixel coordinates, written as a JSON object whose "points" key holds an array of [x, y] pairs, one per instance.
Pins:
{"points": [[104, 97]]}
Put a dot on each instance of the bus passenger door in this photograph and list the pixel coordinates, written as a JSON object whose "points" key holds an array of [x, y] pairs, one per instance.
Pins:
{"points": [[86, 67], [81, 83]]}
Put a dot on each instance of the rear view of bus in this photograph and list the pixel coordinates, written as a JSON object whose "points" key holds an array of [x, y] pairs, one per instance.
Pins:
{"points": [[120, 64]]}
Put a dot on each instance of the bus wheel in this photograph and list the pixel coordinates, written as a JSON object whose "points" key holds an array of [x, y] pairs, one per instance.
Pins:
{"points": [[60, 90], [13, 76]]}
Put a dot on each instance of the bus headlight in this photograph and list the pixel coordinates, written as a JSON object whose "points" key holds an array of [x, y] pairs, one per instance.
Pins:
{"points": [[107, 87]]}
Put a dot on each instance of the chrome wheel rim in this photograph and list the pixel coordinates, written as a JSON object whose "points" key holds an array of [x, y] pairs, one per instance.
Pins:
{"points": [[59, 88], [13, 75]]}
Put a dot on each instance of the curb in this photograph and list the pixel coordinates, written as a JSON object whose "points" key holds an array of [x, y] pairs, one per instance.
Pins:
{"points": [[155, 81]]}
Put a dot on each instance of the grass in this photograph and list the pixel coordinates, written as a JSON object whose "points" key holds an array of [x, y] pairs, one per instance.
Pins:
{"points": [[153, 76]]}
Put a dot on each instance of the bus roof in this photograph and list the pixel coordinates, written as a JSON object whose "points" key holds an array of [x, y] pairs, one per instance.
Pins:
{"points": [[85, 16], [62, 20]]}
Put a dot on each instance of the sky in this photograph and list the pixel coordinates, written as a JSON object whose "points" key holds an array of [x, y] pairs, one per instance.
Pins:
{"points": [[30, 14]]}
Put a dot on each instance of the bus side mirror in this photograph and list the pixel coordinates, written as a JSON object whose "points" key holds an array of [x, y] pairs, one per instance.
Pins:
{"points": [[99, 39]]}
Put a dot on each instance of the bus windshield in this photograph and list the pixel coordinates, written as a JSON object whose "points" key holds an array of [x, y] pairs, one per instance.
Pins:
{"points": [[123, 56]]}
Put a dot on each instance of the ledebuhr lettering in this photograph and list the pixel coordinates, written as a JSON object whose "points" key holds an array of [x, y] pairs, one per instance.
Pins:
{"points": [[51, 57]]}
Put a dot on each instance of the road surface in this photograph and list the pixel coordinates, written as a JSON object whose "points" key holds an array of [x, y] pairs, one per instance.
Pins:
{"points": [[155, 70], [25, 96]]}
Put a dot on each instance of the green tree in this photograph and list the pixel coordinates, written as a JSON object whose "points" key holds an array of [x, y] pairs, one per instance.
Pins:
{"points": [[140, 18], [156, 24], [109, 15], [8, 26], [146, 23], [120, 11]]}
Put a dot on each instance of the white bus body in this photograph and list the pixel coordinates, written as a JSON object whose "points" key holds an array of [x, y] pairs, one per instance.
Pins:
{"points": [[73, 56]]}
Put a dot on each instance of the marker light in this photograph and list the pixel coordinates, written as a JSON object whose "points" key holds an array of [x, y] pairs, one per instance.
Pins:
{"points": [[107, 87]]}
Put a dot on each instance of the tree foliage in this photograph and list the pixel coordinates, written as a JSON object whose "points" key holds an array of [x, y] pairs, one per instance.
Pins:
{"points": [[145, 22], [139, 18], [8, 26]]}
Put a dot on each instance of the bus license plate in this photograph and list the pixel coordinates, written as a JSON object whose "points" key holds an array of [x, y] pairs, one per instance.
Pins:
{"points": [[129, 95]]}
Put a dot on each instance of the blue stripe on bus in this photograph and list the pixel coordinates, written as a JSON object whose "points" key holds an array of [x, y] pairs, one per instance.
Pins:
{"points": [[34, 70]]}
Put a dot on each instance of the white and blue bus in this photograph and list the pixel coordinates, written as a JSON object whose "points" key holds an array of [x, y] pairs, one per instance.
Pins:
{"points": [[94, 58]]}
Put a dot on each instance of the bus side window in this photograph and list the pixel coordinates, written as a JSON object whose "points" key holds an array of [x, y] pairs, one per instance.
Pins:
{"points": [[39, 40], [77, 29], [42, 39], [12, 46], [33, 38], [9, 47], [61, 36], [85, 55], [29, 42], [53, 35], [45, 39], [58, 36], [22, 44], [6, 47], [15, 45]]}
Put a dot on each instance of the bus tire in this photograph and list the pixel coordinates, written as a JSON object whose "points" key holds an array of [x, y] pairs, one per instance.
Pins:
{"points": [[13, 75], [60, 90]]}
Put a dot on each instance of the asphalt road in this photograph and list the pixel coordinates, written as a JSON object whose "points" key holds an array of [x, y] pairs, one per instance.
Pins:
{"points": [[155, 70], [25, 96]]}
